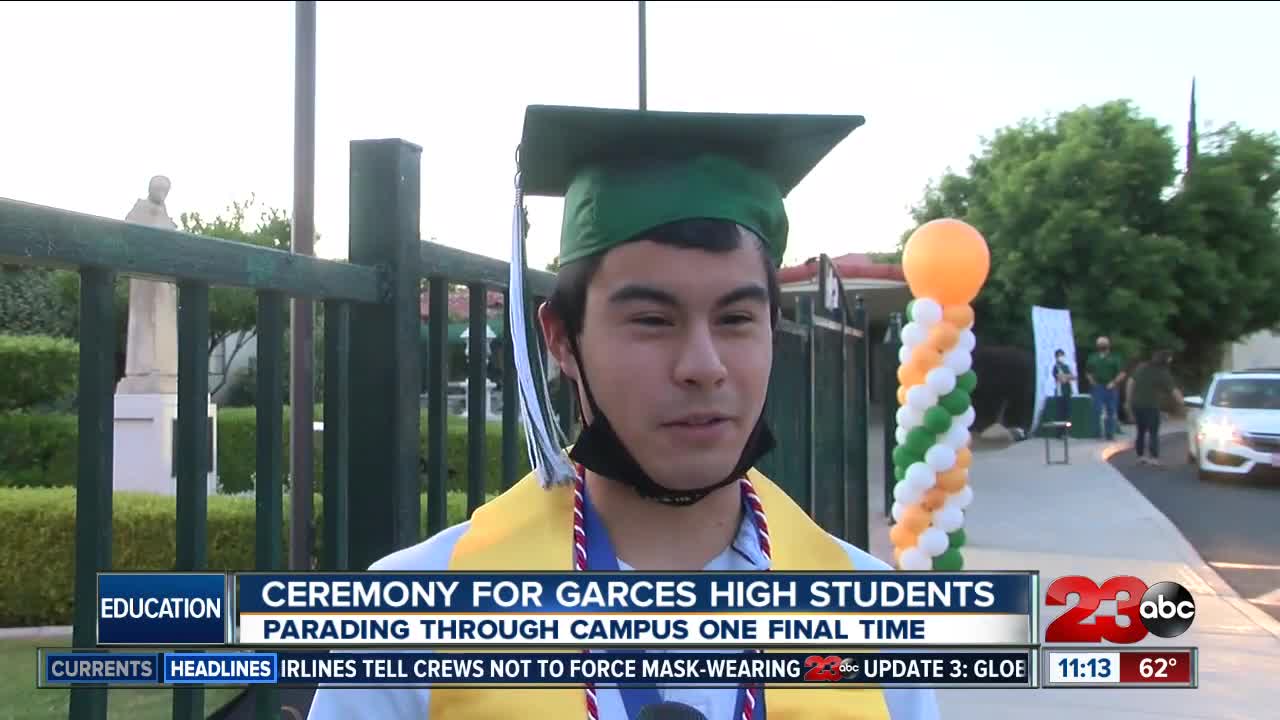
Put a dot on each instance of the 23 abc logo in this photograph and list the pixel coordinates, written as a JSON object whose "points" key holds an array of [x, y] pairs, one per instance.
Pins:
{"points": [[1165, 609]]}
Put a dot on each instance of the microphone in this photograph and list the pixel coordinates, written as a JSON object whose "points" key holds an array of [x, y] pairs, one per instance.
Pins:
{"points": [[669, 711]]}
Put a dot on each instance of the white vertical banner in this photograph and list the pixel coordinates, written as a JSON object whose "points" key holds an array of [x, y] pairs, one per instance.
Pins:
{"points": [[1052, 328]]}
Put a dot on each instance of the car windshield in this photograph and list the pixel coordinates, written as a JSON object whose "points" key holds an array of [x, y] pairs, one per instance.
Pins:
{"points": [[1247, 393]]}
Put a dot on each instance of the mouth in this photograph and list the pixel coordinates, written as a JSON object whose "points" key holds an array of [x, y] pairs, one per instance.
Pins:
{"points": [[698, 420]]}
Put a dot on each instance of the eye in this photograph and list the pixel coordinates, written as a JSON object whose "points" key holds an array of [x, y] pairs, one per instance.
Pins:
{"points": [[650, 320], [738, 319]]}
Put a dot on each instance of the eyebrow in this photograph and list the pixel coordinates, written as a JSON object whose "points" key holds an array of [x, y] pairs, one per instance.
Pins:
{"points": [[633, 293]]}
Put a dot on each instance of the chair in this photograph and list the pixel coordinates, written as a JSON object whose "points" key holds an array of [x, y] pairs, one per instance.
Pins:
{"points": [[1065, 427]]}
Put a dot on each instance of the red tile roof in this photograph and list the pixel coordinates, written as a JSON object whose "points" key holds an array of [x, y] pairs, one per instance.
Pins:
{"points": [[849, 266]]}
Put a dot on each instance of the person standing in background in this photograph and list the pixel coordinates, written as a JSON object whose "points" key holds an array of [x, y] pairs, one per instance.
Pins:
{"points": [[1105, 372], [1149, 387], [1063, 378]]}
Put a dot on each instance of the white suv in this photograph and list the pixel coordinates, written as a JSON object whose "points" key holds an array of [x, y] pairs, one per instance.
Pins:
{"points": [[1235, 428]]}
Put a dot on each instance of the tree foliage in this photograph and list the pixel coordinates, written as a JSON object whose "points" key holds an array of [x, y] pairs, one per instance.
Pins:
{"points": [[235, 310], [1088, 211]]}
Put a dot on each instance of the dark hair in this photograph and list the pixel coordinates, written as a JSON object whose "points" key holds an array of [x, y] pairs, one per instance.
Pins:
{"points": [[1060, 351], [569, 298]]}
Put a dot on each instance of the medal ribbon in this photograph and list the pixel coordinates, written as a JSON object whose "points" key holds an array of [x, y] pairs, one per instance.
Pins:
{"points": [[594, 552]]}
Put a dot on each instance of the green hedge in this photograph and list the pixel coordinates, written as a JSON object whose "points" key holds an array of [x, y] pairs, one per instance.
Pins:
{"points": [[37, 532], [36, 370], [40, 451]]}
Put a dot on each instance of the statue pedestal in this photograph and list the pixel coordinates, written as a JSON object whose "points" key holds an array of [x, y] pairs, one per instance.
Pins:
{"points": [[146, 440]]}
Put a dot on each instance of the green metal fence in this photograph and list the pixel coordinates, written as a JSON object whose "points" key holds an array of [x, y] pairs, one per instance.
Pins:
{"points": [[372, 383]]}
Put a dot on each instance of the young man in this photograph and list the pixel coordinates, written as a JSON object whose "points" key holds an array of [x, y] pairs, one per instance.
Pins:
{"points": [[662, 317], [1105, 372], [1151, 384], [1063, 378]]}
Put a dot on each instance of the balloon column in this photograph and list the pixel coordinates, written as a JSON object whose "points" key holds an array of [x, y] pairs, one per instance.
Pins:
{"points": [[945, 263]]}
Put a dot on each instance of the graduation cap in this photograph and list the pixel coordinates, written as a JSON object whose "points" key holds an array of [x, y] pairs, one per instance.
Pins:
{"points": [[623, 172]]}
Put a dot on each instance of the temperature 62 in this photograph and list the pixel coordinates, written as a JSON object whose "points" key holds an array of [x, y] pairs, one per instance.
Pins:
{"points": [[1156, 667]]}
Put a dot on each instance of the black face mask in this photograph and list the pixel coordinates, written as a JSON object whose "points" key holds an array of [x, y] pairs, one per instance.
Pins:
{"points": [[599, 449]]}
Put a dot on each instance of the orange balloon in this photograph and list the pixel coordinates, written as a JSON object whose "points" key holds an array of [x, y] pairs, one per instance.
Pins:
{"points": [[902, 537], [925, 357], [909, 375], [960, 316], [946, 260], [952, 480], [964, 458], [902, 395], [916, 519], [897, 553], [934, 498], [944, 336]]}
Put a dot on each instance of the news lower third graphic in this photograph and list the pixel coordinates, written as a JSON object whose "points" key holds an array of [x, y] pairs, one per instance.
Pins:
{"points": [[302, 668], [875, 629]]}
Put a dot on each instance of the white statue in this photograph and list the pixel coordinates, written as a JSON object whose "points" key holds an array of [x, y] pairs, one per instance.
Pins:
{"points": [[151, 355]]}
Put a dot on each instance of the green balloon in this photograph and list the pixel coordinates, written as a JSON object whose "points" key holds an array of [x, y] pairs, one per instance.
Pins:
{"points": [[967, 382], [899, 472], [956, 540], [920, 440], [911, 310], [937, 420], [949, 561], [955, 402], [903, 456]]}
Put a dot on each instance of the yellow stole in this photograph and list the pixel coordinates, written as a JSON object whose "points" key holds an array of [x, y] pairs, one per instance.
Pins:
{"points": [[529, 528]]}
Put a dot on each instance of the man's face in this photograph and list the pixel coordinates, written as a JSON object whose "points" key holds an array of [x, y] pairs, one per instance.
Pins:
{"points": [[678, 347]]}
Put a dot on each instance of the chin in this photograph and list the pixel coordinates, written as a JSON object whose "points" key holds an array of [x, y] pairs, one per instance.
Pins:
{"points": [[694, 473]]}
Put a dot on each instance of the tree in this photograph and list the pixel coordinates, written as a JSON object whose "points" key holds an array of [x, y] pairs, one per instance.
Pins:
{"points": [[1083, 211], [235, 310]]}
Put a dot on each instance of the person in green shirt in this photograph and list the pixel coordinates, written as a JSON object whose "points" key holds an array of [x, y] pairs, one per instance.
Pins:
{"points": [[1151, 384], [1105, 372]]}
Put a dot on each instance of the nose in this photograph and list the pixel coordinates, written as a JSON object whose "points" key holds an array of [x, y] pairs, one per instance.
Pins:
{"points": [[700, 362]]}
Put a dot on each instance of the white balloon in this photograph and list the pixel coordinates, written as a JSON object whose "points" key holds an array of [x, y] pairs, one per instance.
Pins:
{"points": [[968, 341], [909, 417], [958, 361], [968, 417], [898, 509], [920, 475], [915, 559], [901, 435], [957, 437], [907, 494], [921, 398], [948, 519], [941, 458], [941, 380], [904, 355], [913, 333], [933, 542], [926, 312]]}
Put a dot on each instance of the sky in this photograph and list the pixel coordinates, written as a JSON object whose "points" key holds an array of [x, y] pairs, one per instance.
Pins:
{"points": [[98, 97]]}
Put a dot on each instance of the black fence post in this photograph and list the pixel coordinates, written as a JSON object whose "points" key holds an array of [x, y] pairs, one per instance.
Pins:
{"points": [[888, 384], [385, 515]]}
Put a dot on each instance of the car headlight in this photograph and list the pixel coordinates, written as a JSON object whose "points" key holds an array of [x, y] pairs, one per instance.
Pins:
{"points": [[1220, 432]]}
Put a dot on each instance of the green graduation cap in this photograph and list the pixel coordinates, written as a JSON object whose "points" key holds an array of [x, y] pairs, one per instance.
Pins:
{"points": [[622, 172]]}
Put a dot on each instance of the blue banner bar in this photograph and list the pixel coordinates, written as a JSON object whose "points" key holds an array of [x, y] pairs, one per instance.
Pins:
{"points": [[705, 592], [239, 668], [163, 609], [72, 668]]}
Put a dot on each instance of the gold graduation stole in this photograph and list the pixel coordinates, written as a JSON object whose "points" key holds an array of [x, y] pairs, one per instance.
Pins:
{"points": [[529, 528]]}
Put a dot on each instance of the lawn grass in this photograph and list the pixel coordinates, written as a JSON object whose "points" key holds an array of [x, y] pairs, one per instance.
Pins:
{"points": [[20, 699]]}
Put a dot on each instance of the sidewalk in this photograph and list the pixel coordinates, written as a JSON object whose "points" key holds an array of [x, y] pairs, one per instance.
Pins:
{"points": [[1086, 519]]}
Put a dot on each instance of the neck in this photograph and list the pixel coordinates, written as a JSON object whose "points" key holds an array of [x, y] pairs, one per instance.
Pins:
{"points": [[650, 536]]}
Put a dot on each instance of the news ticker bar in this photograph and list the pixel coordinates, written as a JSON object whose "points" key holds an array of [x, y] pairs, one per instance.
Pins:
{"points": [[978, 668], [1065, 667], [565, 609]]}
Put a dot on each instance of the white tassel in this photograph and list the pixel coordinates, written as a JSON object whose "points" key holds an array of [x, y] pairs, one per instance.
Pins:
{"points": [[542, 436]]}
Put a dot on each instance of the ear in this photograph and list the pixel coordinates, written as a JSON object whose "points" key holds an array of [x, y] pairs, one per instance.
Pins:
{"points": [[556, 335]]}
